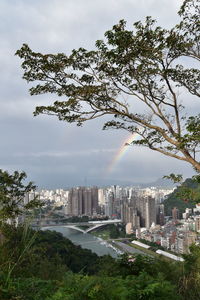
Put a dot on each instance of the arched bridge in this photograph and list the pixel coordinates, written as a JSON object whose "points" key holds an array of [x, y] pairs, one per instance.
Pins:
{"points": [[93, 225]]}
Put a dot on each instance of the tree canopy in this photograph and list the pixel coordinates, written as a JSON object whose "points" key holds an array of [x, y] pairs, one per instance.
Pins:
{"points": [[12, 195], [150, 65], [46, 265]]}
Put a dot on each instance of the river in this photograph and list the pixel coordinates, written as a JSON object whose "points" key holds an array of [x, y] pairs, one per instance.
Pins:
{"points": [[85, 240]]}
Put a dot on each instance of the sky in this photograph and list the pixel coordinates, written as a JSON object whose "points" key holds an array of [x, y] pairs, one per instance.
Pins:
{"points": [[55, 154]]}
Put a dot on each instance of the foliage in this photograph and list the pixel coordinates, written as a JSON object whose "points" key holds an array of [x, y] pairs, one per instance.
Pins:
{"points": [[80, 287], [112, 231], [149, 65], [174, 177], [12, 195], [44, 271], [49, 256], [27, 289], [189, 284], [142, 287], [76, 219], [184, 196]]}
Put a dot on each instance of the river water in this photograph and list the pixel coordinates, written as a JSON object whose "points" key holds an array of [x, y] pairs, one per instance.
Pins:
{"points": [[85, 240]]}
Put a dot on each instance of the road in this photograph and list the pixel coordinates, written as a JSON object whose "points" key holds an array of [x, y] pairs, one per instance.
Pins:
{"points": [[129, 249]]}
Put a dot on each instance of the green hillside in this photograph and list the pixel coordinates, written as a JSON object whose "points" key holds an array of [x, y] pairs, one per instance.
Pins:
{"points": [[183, 196], [47, 266]]}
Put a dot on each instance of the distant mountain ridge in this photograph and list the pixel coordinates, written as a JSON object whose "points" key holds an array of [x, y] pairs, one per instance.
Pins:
{"points": [[159, 183]]}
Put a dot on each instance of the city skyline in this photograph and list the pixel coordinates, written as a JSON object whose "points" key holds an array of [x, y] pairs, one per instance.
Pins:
{"points": [[139, 211], [56, 154]]}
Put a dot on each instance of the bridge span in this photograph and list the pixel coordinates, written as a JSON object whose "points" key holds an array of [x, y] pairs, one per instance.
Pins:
{"points": [[92, 225]]}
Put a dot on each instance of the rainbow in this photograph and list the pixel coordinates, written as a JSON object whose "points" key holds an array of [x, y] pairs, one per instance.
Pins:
{"points": [[122, 150]]}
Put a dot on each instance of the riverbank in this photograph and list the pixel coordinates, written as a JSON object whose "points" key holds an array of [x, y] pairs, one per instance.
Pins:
{"points": [[100, 243], [102, 234], [87, 240], [111, 244]]}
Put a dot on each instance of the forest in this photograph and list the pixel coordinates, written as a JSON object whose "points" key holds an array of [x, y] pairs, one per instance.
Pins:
{"points": [[45, 265]]}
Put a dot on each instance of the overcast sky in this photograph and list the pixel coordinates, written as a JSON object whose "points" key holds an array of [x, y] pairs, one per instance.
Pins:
{"points": [[56, 154]]}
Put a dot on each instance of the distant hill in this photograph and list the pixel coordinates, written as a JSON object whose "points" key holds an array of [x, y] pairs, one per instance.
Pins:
{"points": [[165, 183], [175, 199]]}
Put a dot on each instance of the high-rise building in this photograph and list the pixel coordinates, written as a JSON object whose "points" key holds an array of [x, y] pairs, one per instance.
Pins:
{"points": [[87, 201], [175, 214], [197, 223], [160, 215], [83, 201], [95, 200], [109, 204], [101, 197], [139, 210], [150, 212], [75, 197]]}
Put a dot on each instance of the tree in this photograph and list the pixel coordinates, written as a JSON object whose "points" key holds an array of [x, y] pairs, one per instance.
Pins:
{"points": [[12, 195], [189, 285], [147, 66]]}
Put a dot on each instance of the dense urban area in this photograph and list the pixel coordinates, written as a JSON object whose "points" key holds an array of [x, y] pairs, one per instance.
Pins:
{"points": [[140, 210]]}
